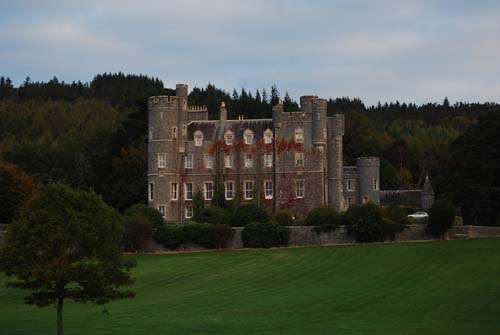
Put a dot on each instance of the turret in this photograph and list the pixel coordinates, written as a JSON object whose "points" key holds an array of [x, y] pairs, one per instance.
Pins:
{"points": [[319, 131], [306, 102], [427, 195], [335, 161], [181, 91], [278, 114], [369, 179]]}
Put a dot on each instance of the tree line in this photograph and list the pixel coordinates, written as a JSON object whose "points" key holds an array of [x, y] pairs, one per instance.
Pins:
{"points": [[93, 135]]}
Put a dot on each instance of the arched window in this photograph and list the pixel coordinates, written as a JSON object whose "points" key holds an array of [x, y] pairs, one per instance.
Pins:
{"points": [[248, 136], [268, 136], [299, 135], [198, 138], [229, 137]]}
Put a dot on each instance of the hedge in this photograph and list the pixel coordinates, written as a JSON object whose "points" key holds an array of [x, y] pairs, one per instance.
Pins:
{"points": [[212, 236], [265, 235]]}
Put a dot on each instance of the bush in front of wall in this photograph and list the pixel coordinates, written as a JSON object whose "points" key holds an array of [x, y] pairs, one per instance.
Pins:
{"points": [[248, 213], [265, 235], [283, 218], [211, 236]]}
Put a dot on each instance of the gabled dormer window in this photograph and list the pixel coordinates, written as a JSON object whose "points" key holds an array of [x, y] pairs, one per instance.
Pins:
{"points": [[268, 136], [248, 136], [229, 137], [198, 138]]}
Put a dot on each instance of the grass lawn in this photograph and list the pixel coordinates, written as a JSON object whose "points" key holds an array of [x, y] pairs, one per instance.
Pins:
{"points": [[450, 287]]}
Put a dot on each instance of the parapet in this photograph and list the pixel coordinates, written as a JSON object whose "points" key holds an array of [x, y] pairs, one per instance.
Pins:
{"points": [[368, 162], [162, 100], [306, 103]]}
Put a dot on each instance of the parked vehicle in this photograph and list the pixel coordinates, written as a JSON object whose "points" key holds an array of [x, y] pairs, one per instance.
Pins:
{"points": [[419, 215]]}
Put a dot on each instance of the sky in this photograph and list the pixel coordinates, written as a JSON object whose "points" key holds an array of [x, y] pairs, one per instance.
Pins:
{"points": [[377, 50]]}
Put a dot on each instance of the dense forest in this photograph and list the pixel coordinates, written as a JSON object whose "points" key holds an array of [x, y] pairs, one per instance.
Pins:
{"points": [[93, 135]]}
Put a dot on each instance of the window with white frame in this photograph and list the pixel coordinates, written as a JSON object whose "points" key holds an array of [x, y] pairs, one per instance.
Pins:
{"points": [[228, 161], [150, 133], [375, 183], [299, 188], [184, 130], [198, 138], [268, 159], [248, 136], [162, 161], [174, 191], [248, 160], [248, 190], [174, 133], [351, 186], [189, 212], [366, 199], [299, 135], [208, 161], [151, 191], [268, 189], [188, 191], [350, 201], [229, 190], [229, 137], [299, 159], [209, 190], [268, 136], [161, 209], [188, 161]]}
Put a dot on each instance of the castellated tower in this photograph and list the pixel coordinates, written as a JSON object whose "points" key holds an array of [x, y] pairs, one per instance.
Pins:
{"points": [[335, 161], [167, 136], [368, 179]]}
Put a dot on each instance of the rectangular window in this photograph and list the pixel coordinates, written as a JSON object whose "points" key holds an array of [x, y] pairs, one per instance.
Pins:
{"points": [[248, 160], [228, 161], [229, 190], [268, 160], [366, 200], [189, 212], [188, 191], [151, 192], [299, 188], [184, 130], [174, 192], [268, 189], [161, 209], [349, 202], [162, 161], [351, 186], [188, 161], [248, 190], [174, 133], [375, 183], [299, 159], [209, 190], [208, 161]]}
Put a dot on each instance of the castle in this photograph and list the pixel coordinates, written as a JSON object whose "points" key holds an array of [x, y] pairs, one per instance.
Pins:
{"points": [[291, 162]]}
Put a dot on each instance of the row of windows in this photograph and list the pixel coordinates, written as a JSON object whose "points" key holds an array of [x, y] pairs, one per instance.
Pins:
{"points": [[208, 162], [351, 184], [248, 136], [229, 190]]}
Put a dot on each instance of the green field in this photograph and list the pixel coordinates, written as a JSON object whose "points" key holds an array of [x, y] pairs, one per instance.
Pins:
{"points": [[448, 287]]}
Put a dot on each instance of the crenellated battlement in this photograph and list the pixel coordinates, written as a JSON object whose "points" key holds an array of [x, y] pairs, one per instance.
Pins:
{"points": [[196, 108], [162, 100]]}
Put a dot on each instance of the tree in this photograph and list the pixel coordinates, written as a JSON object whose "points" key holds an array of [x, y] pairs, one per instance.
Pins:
{"points": [[441, 217], [139, 223], [15, 189], [65, 244], [198, 204]]}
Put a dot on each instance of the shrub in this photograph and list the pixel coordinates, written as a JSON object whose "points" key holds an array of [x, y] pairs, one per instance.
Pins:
{"points": [[441, 217], [213, 236], [139, 223], [283, 218], [198, 204], [137, 232], [151, 214], [248, 213], [366, 223], [265, 235], [214, 214], [397, 214], [323, 216]]}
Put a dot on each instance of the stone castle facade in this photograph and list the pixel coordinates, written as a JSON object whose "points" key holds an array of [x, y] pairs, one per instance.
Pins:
{"points": [[292, 161]]}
